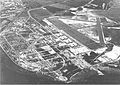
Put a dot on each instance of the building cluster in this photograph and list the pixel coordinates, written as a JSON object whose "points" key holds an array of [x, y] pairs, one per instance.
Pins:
{"points": [[43, 49], [46, 49], [10, 8]]}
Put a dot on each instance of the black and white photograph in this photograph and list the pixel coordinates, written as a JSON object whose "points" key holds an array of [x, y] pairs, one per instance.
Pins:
{"points": [[59, 42]]}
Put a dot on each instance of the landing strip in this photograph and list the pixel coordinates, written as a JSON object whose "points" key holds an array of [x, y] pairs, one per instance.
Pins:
{"points": [[75, 34], [41, 13]]}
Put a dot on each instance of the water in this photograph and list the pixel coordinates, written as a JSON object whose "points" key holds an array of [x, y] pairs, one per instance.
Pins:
{"points": [[12, 74]]}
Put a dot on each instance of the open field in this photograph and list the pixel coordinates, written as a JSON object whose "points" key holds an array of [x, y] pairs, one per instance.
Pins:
{"points": [[39, 14], [53, 9], [75, 3], [38, 3]]}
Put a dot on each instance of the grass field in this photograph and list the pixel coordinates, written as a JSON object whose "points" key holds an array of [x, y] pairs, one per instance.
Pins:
{"points": [[61, 6], [38, 3], [76, 3], [39, 14], [53, 9]]}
